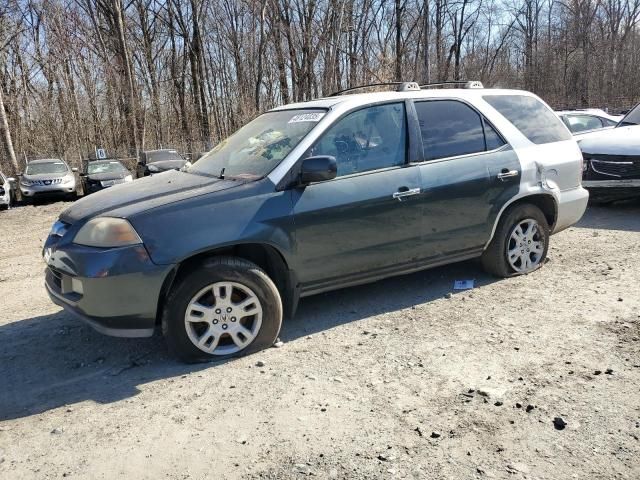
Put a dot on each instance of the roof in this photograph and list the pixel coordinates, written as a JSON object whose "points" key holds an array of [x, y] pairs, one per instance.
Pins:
{"points": [[358, 99]]}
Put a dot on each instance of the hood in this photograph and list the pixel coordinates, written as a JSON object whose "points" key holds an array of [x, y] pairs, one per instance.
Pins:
{"points": [[144, 194], [163, 165], [96, 177], [617, 141], [46, 176]]}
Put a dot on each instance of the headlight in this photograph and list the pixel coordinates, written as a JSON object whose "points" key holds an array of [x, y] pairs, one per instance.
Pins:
{"points": [[107, 232], [153, 168], [68, 179], [25, 183], [128, 178]]}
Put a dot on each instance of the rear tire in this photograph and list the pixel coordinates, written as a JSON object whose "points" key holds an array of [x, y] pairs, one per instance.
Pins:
{"points": [[515, 250], [228, 307]]}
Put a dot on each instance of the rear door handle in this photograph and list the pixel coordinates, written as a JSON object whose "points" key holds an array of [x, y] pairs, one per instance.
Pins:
{"points": [[504, 174], [404, 192]]}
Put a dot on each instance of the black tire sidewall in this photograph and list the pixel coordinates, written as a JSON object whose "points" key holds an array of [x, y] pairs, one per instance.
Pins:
{"points": [[229, 270]]}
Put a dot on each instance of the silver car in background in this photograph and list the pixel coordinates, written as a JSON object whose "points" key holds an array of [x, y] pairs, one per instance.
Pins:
{"points": [[48, 178], [7, 191]]}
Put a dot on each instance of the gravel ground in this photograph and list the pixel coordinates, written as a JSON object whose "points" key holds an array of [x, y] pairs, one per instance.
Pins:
{"points": [[389, 380]]}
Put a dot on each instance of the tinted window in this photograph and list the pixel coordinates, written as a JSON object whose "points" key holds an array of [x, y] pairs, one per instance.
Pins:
{"points": [[631, 118], [582, 123], [450, 128], [608, 123], [529, 115], [492, 138], [368, 139]]}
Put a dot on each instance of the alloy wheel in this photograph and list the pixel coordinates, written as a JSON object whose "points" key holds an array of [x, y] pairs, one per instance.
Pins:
{"points": [[223, 318], [525, 247]]}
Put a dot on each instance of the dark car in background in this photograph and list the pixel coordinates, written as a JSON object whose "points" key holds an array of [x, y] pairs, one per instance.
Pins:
{"points": [[612, 160], [99, 174], [156, 161]]}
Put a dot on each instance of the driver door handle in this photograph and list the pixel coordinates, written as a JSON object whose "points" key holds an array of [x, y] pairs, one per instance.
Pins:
{"points": [[404, 192], [504, 174]]}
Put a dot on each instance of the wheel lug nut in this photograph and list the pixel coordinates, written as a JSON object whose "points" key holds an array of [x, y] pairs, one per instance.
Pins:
{"points": [[228, 309], [224, 326], [233, 319], [215, 321], [218, 310]]}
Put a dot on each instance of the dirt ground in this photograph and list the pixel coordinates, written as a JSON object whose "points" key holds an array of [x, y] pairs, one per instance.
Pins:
{"points": [[389, 380]]}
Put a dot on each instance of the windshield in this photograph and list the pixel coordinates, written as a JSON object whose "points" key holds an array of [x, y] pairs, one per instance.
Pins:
{"points": [[631, 118], [105, 167], [259, 146], [162, 155], [48, 167]]}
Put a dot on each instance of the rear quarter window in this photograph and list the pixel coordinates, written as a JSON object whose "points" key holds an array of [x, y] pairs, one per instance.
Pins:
{"points": [[532, 117]]}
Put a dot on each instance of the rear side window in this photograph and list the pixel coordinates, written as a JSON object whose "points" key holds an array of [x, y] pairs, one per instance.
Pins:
{"points": [[450, 128], [529, 115]]}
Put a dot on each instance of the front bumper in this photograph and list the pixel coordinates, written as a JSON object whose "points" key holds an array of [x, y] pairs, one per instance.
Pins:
{"points": [[44, 190], [605, 190], [115, 290]]}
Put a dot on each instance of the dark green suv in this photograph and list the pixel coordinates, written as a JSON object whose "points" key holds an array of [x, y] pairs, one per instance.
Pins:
{"points": [[312, 197]]}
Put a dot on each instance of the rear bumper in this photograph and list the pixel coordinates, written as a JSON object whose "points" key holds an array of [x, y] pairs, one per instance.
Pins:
{"points": [[116, 291], [571, 206]]}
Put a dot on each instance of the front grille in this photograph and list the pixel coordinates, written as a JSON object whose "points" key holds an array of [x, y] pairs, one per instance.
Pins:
{"points": [[55, 181], [617, 166], [56, 276]]}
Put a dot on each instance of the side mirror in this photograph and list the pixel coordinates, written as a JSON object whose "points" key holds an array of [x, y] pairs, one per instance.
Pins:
{"points": [[74, 169], [82, 174], [318, 169]]}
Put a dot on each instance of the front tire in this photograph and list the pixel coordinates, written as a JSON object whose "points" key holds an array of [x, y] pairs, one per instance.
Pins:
{"points": [[227, 307], [520, 243]]}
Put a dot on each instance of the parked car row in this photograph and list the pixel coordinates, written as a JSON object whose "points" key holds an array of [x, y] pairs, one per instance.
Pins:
{"points": [[54, 178]]}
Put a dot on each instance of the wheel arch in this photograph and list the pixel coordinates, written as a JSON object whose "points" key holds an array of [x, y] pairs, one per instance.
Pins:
{"points": [[265, 256], [546, 202]]}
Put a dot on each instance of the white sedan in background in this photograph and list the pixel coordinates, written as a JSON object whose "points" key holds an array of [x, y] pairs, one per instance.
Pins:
{"points": [[584, 122]]}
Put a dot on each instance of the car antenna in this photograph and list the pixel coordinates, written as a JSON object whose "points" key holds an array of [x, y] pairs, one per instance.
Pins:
{"points": [[222, 173]]}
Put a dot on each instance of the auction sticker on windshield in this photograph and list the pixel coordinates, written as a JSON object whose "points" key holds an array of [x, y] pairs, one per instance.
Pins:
{"points": [[307, 117]]}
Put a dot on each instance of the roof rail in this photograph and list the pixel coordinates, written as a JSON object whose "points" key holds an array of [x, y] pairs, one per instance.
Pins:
{"points": [[454, 83], [400, 87]]}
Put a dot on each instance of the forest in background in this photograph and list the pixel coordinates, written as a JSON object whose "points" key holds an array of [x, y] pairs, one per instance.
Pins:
{"points": [[130, 75]]}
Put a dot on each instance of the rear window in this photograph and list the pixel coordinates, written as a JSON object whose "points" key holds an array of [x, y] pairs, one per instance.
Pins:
{"points": [[582, 123], [532, 117]]}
